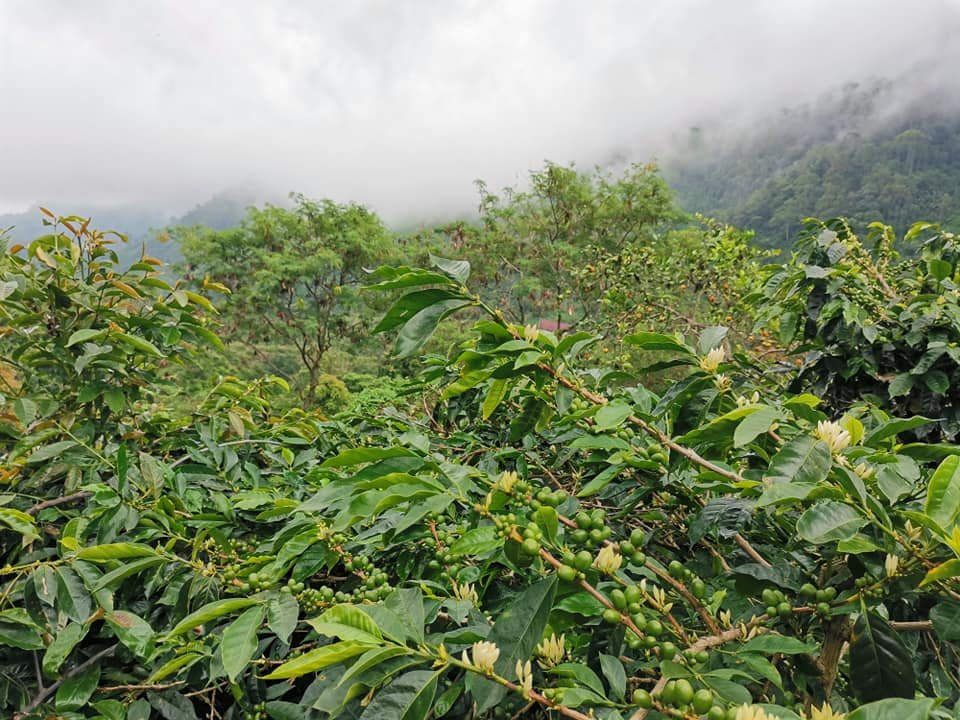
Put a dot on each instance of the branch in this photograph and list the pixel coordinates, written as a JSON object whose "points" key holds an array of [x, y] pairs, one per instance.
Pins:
{"points": [[48, 691], [62, 500]]}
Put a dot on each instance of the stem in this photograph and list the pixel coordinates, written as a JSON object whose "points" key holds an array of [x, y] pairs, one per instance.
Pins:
{"points": [[48, 691]]}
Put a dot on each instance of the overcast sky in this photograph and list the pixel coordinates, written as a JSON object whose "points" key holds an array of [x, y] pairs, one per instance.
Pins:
{"points": [[402, 104]]}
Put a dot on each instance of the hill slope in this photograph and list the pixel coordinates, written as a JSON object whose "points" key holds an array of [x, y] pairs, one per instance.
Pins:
{"points": [[859, 152]]}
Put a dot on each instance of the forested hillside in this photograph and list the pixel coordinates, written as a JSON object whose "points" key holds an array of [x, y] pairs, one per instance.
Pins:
{"points": [[862, 152]]}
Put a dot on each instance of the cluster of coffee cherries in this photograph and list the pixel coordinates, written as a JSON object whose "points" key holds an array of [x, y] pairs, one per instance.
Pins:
{"points": [[257, 712], [443, 563], [822, 597], [682, 695]]}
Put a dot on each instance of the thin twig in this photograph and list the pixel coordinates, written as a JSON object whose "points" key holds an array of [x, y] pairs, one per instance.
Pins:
{"points": [[62, 500], [48, 691]]}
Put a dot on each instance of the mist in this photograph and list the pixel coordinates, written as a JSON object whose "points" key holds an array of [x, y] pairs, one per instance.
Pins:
{"points": [[402, 105]]}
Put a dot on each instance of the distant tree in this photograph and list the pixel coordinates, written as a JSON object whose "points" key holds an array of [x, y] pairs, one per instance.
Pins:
{"points": [[530, 245], [293, 275]]}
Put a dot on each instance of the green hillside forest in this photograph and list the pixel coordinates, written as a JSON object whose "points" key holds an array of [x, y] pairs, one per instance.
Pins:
{"points": [[860, 152], [584, 455]]}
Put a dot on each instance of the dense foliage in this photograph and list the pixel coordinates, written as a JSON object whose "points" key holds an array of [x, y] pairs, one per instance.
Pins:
{"points": [[872, 326], [545, 537]]}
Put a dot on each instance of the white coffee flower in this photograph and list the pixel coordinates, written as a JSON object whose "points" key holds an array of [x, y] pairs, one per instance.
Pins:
{"points": [[551, 651], [525, 678], [484, 654], [834, 435], [711, 361], [608, 560]]}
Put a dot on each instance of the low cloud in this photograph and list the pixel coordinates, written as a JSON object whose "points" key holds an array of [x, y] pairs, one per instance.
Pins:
{"points": [[402, 105]]}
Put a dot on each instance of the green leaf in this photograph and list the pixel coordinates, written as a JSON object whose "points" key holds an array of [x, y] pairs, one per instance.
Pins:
{"points": [[17, 629], [239, 641], [61, 647], [495, 394], [720, 430], [937, 381], [601, 480], [657, 341], [892, 428], [615, 674], [894, 709], [412, 303], [73, 598], [347, 622], [754, 425], [112, 579], [828, 521], [459, 270], [516, 632], [900, 385], [943, 571], [769, 643], [581, 603], [133, 631], [880, 665], [612, 415], [581, 673], [711, 337], [115, 551], [802, 460], [138, 343], [84, 335], [318, 659], [943, 493], [407, 604], [945, 616], [599, 442], [210, 611], [858, 545], [47, 452], [75, 691], [19, 522], [372, 658], [476, 541], [283, 611], [547, 520], [421, 326], [409, 697]]}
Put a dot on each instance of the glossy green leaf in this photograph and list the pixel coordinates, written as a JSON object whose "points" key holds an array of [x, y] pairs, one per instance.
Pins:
{"points": [[318, 659], [76, 690], [612, 415], [829, 521], [239, 641], [283, 611], [943, 493], [115, 551], [880, 665], [894, 709], [754, 425], [409, 697], [516, 632], [803, 460], [347, 623], [133, 631], [476, 541], [210, 611], [61, 647]]}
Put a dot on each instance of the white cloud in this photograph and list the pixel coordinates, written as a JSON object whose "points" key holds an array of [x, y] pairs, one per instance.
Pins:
{"points": [[402, 105]]}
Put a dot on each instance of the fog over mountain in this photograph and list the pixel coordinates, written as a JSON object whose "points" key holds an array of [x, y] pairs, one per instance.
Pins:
{"points": [[160, 105]]}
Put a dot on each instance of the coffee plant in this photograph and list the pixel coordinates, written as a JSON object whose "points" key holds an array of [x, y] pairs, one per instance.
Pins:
{"points": [[539, 538], [870, 324]]}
